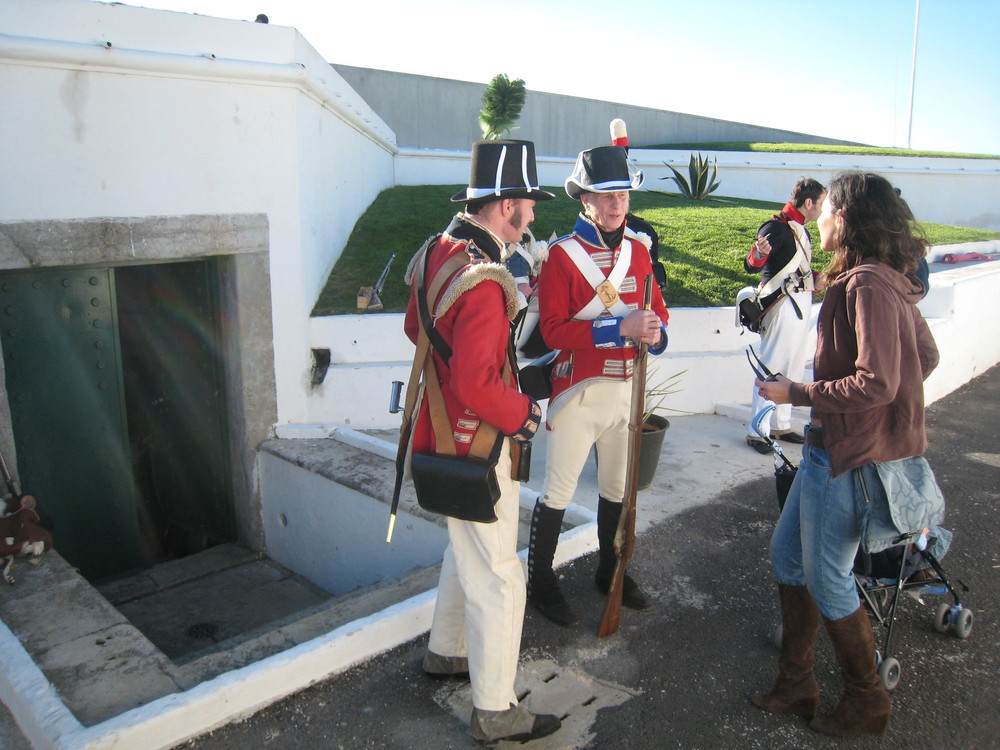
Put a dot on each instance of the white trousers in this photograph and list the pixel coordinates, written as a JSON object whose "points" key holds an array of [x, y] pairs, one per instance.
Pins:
{"points": [[480, 600], [784, 348], [597, 415]]}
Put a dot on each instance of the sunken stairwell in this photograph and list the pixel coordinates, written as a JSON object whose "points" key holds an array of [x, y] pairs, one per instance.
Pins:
{"points": [[114, 647]]}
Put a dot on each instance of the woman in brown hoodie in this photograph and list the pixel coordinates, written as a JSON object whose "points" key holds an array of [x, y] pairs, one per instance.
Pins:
{"points": [[873, 352]]}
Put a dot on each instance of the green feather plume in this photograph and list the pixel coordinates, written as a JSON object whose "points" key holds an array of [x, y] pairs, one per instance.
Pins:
{"points": [[502, 103]]}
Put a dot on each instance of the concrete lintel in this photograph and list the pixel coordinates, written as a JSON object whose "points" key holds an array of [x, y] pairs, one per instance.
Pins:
{"points": [[34, 244]]}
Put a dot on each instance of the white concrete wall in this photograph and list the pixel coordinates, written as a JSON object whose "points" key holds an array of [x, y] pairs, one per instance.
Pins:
{"points": [[962, 309], [368, 352], [186, 114], [439, 113], [327, 532], [939, 190], [433, 167]]}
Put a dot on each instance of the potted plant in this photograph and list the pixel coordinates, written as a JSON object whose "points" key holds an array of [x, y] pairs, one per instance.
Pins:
{"points": [[654, 427]]}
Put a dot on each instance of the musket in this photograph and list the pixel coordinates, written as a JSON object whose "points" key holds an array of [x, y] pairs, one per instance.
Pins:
{"points": [[400, 469], [413, 388], [625, 533], [369, 297], [404, 439]]}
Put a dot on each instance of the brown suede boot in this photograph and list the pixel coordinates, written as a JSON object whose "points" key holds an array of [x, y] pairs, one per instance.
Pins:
{"points": [[796, 690], [865, 706]]}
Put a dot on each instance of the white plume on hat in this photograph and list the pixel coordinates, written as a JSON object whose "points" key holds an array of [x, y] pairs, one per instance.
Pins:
{"points": [[619, 134]]}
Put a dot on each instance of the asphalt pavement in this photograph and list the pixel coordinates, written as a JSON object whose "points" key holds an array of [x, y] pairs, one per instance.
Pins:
{"points": [[680, 675]]}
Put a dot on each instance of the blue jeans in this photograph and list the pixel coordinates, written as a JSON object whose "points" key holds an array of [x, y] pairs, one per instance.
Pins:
{"points": [[818, 533]]}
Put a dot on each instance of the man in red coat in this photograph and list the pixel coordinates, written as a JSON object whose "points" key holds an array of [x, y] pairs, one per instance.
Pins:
{"points": [[480, 602], [590, 302]]}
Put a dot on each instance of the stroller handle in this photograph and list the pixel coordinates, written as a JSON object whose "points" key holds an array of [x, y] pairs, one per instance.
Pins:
{"points": [[755, 425], [759, 418]]}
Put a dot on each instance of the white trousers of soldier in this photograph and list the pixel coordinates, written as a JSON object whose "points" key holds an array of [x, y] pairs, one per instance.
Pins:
{"points": [[784, 348], [480, 599], [597, 415]]}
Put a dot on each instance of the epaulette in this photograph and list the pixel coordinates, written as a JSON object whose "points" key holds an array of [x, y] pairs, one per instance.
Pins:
{"points": [[472, 275]]}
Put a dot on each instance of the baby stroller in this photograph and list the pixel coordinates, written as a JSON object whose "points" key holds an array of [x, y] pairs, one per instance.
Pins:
{"points": [[910, 565]]}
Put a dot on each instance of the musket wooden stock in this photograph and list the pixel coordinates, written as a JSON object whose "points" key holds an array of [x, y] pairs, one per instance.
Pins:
{"points": [[625, 534]]}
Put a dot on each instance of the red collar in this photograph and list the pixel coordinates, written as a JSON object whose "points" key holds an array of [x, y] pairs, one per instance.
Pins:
{"points": [[793, 213]]}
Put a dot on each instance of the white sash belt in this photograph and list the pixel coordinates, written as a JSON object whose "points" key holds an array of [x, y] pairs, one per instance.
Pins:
{"points": [[801, 263], [595, 277]]}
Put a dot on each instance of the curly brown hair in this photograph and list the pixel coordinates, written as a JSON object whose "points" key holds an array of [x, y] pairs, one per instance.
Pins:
{"points": [[877, 224]]}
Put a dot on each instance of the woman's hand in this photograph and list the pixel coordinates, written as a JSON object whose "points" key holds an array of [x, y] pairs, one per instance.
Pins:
{"points": [[778, 390]]}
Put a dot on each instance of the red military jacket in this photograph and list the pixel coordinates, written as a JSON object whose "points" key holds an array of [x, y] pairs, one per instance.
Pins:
{"points": [[472, 313], [590, 349]]}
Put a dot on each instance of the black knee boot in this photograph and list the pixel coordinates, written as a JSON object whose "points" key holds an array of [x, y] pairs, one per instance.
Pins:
{"points": [[543, 584], [633, 596]]}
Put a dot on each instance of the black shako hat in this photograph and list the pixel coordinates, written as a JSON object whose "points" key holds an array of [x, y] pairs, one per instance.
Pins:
{"points": [[604, 169], [502, 169]]}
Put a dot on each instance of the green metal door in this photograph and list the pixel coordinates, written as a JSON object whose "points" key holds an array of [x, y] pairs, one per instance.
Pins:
{"points": [[170, 334], [63, 375], [115, 383]]}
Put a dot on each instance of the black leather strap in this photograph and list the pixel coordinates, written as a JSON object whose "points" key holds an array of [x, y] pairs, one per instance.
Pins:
{"points": [[436, 339]]}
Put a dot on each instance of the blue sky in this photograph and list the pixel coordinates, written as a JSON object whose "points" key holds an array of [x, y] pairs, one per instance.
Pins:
{"points": [[840, 70]]}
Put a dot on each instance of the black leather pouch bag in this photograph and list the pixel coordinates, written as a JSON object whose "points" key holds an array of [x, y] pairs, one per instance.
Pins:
{"points": [[751, 313], [460, 487]]}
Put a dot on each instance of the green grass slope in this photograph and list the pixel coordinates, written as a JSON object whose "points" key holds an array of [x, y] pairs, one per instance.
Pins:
{"points": [[702, 243]]}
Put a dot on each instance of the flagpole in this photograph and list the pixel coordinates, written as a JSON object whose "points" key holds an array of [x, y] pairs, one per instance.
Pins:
{"points": [[913, 75]]}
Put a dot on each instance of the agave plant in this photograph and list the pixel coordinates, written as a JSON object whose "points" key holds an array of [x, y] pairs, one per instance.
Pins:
{"points": [[702, 175], [502, 103], [656, 394]]}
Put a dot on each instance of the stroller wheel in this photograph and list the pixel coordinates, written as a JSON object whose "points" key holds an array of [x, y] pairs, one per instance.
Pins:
{"points": [[888, 673], [941, 617], [963, 623]]}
